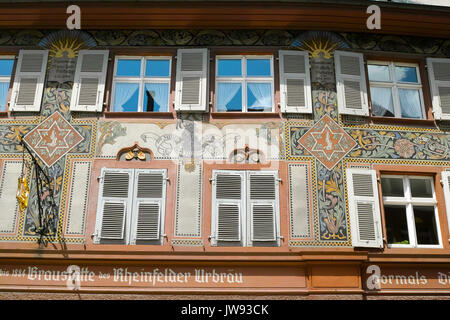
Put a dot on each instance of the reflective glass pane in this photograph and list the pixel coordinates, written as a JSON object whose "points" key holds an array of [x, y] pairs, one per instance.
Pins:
{"points": [[6, 66], [259, 97], [378, 72], [382, 104], [396, 224], [128, 68], [156, 97], [4, 86], [229, 96], [157, 68], [406, 74], [410, 103], [392, 187], [421, 188], [126, 97], [426, 230], [229, 68], [258, 68]]}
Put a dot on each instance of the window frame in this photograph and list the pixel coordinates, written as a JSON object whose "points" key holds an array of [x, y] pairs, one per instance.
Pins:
{"points": [[141, 80], [244, 79], [396, 85], [408, 201], [8, 79]]}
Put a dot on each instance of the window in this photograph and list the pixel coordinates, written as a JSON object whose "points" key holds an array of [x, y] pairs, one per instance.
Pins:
{"points": [[131, 206], [141, 84], [396, 90], [410, 211], [245, 208], [244, 83], [6, 67]]}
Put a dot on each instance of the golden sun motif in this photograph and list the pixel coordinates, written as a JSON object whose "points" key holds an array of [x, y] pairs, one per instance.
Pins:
{"points": [[317, 46], [66, 46]]}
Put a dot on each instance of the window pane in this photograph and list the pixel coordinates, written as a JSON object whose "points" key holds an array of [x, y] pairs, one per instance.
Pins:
{"points": [[258, 68], [406, 74], [126, 97], [382, 105], [425, 225], [128, 68], [396, 225], [259, 97], [229, 96], [156, 97], [157, 68], [421, 188], [410, 103], [378, 72], [392, 187], [229, 68], [4, 86], [6, 66]]}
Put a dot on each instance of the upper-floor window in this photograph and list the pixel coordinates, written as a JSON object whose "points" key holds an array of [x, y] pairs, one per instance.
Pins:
{"points": [[6, 67], [244, 83], [396, 90], [410, 210], [141, 84]]}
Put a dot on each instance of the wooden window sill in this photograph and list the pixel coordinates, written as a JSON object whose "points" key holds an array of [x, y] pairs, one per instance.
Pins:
{"points": [[245, 115], [403, 121], [146, 115], [3, 114]]}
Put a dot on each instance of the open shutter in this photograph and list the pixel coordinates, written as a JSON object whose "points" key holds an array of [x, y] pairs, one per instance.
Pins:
{"points": [[228, 205], [364, 208], [263, 205], [29, 80], [149, 205], [446, 184], [351, 83], [295, 83], [439, 74], [192, 80], [89, 83], [114, 205]]}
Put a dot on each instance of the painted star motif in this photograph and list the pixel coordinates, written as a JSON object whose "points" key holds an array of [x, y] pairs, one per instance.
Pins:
{"points": [[327, 142], [53, 139]]}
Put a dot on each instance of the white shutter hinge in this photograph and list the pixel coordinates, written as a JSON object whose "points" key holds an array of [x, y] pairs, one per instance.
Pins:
{"points": [[99, 178], [279, 179], [280, 237], [212, 180], [277, 58], [175, 57], [442, 182]]}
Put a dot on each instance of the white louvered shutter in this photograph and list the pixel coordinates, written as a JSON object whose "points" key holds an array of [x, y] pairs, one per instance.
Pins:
{"points": [[149, 205], [439, 74], [351, 83], [192, 80], [228, 205], [363, 202], [29, 80], [114, 205], [295, 82], [89, 83], [263, 205], [446, 184]]}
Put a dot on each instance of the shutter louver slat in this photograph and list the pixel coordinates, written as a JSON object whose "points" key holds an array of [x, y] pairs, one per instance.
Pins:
{"points": [[441, 71], [191, 90], [295, 89], [115, 185], [113, 221], [192, 62], [228, 187], [27, 91], [294, 64], [88, 91], [262, 187], [32, 62], [444, 97], [366, 223], [362, 185], [350, 66], [150, 185], [228, 223], [263, 223], [439, 78], [352, 91], [92, 62], [148, 221]]}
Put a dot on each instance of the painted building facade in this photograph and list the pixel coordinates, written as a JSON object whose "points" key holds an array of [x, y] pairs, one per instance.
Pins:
{"points": [[190, 152]]}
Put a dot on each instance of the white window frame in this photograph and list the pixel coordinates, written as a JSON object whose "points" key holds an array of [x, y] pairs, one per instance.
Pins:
{"points": [[8, 79], [395, 85], [245, 205], [408, 202], [244, 79], [141, 80], [132, 202]]}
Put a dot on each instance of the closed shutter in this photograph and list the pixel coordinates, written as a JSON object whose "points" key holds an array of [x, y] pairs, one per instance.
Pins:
{"points": [[228, 205], [439, 74], [351, 83], [29, 80], [263, 205], [446, 184], [192, 80], [363, 201], [89, 83], [114, 205], [149, 205], [295, 83]]}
